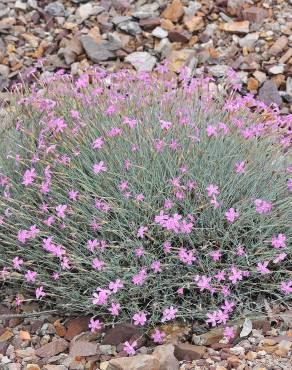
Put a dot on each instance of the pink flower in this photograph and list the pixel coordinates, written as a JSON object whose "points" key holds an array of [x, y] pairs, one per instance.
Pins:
{"points": [[129, 348], [169, 314], [262, 267], [240, 251], [99, 167], [214, 202], [29, 177], [235, 276], [17, 263], [211, 131], [280, 257], [101, 297], [263, 206], [98, 143], [286, 287], [180, 291], [30, 276], [139, 197], [18, 301], [228, 333], [73, 194], [213, 190], [231, 215], [228, 306], [39, 293], [216, 255], [203, 282], [61, 208], [140, 277], [98, 264], [141, 231], [212, 318], [116, 285], [279, 241], [130, 122], [165, 125], [139, 252], [289, 185], [94, 325], [139, 318], [158, 336], [186, 257], [240, 167], [56, 276], [156, 266], [22, 236], [115, 309], [220, 276], [168, 204], [167, 247]]}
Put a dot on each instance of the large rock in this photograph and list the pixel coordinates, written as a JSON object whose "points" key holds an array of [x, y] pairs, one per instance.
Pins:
{"points": [[99, 51], [53, 348], [76, 326], [56, 9], [83, 348], [165, 355], [189, 352], [269, 93], [255, 14], [121, 333], [141, 61], [181, 58], [140, 362]]}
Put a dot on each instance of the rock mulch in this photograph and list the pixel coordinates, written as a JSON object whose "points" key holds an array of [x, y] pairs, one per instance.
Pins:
{"points": [[254, 37], [54, 343]]}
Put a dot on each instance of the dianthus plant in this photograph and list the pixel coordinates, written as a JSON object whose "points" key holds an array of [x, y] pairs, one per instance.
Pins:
{"points": [[145, 198]]}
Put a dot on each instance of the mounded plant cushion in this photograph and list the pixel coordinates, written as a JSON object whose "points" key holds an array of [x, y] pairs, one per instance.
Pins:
{"points": [[134, 197]]}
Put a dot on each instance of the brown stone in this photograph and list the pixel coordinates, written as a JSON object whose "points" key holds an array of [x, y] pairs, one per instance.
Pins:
{"points": [[250, 356], [174, 11], [212, 336], [32, 367], [140, 362], [189, 352], [149, 24], [120, 334], [83, 348], [194, 23], [53, 348], [278, 46], [167, 25], [179, 36], [60, 328], [24, 335], [255, 14], [233, 361], [77, 326], [252, 84], [6, 336], [236, 27], [165, 355], [179, 59]]}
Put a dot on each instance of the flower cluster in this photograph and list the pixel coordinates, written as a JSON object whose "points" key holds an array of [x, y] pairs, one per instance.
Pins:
{"points": [[144, 198]]}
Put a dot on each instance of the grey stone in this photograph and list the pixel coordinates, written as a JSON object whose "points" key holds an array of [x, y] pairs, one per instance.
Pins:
{"points": [[159, 32], [146, 11], [141, 61], [98, 52], [105, 349], [55, 9], [289, 86], [132, 28], [269, 93], [164, 47], [249, 40], [275, 70], [218, 70]]}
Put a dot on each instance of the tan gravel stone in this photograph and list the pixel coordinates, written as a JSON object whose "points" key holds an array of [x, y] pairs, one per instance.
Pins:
{"points": [[174, 11]]}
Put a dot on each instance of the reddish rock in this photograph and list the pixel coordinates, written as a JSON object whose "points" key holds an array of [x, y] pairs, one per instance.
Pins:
{"points": [[255, 14], [189, 352], [149, 24], [76, 326], [83, 348], [53, 348], [236, 27], [120, 334], [140, 362], [278, 46], [165, 355], [179, 36]]}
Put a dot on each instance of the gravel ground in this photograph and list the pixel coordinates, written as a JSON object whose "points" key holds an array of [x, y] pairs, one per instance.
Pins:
{"points": [[51, 342], [209, 36]]}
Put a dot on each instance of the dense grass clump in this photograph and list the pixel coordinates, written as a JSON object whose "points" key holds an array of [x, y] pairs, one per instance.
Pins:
{"points": [[137, 197]]}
